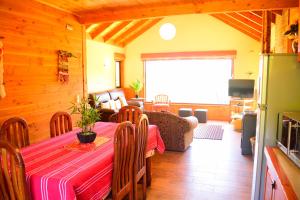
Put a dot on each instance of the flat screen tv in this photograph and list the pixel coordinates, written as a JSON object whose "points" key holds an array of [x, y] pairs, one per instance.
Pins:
{"points": [[242, 88]]}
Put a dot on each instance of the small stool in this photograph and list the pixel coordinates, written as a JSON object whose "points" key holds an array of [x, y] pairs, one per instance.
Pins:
{"points": [[185, 112], [201, 115]]}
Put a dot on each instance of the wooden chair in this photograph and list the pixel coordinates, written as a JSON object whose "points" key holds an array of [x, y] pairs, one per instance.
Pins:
{"points": [[129, 113], [161, 103], [123, 161], [12, 173], [60, 123], [139, 166], [15, 131]]}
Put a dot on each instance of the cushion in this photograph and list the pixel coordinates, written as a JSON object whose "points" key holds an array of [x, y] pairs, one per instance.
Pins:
{"points": [[123, 101], [118, 104], [112, 104], [105, 105]]}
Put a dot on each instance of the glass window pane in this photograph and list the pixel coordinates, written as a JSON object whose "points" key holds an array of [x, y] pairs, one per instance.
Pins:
{"points": [[189, 81], [117, 75]]}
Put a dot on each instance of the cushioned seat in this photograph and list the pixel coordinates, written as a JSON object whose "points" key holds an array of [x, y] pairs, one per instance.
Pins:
{"points": [[185, 112], [109, 98], [201, 115]]}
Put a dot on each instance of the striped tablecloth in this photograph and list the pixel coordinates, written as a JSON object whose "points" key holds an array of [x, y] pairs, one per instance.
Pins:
{"points": [[54, 172]]}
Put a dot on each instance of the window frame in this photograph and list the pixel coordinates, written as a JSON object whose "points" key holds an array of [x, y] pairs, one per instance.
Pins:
{"points": [[120, 57], [226, 54]]}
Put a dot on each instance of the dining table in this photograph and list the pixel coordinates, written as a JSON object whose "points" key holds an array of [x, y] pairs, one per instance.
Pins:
{"points": [[61, 168]]}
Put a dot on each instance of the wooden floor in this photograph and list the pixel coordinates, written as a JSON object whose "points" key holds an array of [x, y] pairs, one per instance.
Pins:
{"points": [[209, 169]]}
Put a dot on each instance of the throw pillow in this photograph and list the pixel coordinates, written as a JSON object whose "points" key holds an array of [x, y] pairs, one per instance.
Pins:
{"points": [[123, 101], [112, 104], [118, 104], [105, 105]]}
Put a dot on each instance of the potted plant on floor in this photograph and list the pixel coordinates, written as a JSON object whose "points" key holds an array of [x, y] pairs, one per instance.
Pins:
{"points": [[137, 87], [87, 120]]}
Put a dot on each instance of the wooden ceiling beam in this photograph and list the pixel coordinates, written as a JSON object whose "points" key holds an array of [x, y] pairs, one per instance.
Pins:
{"points": [[266, 36], [254, 18], [130, 30], [260, 13], [237, 25], [115, 30], [187, 7], [100, 29], [246, 21], [140, 31], [278, 12]]}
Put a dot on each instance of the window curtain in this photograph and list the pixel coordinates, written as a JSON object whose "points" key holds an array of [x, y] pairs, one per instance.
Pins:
{"points": [[2, 89]]}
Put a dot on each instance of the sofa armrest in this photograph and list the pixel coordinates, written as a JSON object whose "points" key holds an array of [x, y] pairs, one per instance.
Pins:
{"points": [[135, 103], [192, 121], [105, 114]]}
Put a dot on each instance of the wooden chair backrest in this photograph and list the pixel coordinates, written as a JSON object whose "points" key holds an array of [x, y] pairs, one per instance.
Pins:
{"points": [[15, 131], [141, 137], [129, 113], [12, 173], [161, 99], [123, 161], [60, 123]]}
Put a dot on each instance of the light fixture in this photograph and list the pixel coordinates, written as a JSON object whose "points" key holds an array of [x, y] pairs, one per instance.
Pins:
{"points": [[167, 31]]}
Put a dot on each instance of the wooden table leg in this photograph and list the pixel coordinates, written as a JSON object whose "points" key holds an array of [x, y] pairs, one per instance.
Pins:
{"points": [[148, 171]]}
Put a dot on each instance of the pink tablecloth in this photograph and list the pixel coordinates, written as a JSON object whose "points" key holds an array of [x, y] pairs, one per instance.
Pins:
{"points": [[55, 172]]}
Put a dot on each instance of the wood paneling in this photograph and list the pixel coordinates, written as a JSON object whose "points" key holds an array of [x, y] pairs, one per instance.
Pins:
{"points": [[33, 33]]}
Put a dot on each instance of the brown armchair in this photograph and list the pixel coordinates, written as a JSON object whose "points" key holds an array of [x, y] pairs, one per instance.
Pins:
{"points": [[176, 132]]}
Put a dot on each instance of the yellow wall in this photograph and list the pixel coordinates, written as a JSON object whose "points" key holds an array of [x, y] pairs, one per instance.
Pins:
{"points": [[100, 78], [195, 32]]}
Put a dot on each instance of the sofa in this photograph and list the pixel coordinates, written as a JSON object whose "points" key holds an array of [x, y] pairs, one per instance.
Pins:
{"points": [[176, 132], [106, 96]]}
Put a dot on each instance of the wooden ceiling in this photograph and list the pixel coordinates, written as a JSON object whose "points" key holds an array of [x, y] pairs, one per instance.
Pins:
{"points": [[94, 11], [120, 33], [118, 22], [249, 23]]}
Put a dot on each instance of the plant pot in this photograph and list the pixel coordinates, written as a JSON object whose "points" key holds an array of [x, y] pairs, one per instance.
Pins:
{"points": [[86, 138]]}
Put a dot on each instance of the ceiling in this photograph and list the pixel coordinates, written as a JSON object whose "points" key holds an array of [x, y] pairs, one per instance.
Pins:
{"points": [[119, 22], [94, 11]]}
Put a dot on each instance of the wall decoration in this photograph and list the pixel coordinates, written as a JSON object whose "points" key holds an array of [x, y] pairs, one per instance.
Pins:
{"points": [[63, 65], [2, 89]]}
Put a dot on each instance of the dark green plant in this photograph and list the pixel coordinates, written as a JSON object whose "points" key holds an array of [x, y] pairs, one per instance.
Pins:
{"points": [[136, 86], [293, 29], [89, 115]]}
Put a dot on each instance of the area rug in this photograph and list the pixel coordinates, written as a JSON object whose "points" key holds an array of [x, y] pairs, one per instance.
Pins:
{"points": [[209, 131]]}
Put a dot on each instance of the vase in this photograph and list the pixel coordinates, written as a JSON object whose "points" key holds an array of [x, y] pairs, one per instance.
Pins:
{"points": [[295, 45], [86, 138], [136, 96]]}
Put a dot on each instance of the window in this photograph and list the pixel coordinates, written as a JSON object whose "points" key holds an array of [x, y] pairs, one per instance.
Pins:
{"points": [[189, 80], [118, 74], [119, 68]]}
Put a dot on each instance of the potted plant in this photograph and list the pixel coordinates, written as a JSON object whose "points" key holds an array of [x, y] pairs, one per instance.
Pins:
{"points": [[87, 120], [293, 35], [137, 87]]}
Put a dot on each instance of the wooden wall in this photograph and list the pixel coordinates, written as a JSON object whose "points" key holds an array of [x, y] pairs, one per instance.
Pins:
{"points": [[33, 33]]}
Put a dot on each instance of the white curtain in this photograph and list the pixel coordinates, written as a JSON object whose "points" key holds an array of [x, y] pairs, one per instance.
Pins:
{"points": [[2, 89], [189, 80]]}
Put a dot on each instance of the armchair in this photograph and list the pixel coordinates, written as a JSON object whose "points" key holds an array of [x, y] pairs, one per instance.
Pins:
{"points": [[176, 132], [161, 103]]}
